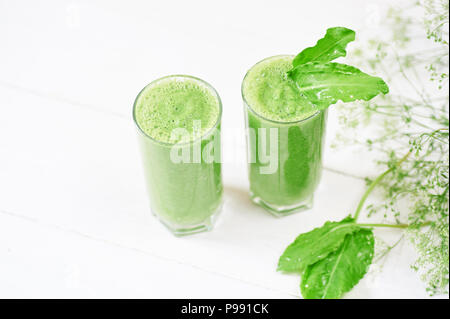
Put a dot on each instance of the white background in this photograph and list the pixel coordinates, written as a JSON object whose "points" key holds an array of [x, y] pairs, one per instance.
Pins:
{"points": [[74, 216]]}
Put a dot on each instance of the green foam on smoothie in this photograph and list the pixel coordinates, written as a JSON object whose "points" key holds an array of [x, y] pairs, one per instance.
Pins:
{"points": [[272, 94], [176, 102]]}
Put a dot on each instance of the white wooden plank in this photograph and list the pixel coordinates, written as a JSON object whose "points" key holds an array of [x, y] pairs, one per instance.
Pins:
{"points": [[39, 261]]}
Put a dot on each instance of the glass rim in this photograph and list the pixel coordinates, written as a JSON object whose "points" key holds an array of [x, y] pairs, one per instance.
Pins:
{"points": [[260, 115], [183, 76]]}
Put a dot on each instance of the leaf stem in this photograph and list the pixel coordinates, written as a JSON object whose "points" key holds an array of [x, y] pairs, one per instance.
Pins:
{"points": [[374, 183], [395, 225]]}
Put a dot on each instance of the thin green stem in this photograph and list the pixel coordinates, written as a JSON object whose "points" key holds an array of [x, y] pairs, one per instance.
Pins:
{"points": [[374, 184], [394, 225], [385, 225]]}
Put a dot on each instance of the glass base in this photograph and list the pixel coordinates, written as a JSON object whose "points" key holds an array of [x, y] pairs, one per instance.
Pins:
{"points": [[280, 211], [184, 230]]}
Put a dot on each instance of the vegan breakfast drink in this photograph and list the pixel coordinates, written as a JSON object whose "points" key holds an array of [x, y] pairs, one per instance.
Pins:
{"points": [[286, 100], [286, 131], [178, 118]]}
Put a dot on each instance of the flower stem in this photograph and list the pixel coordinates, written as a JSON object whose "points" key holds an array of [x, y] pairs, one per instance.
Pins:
{"points": [[373, 184]]}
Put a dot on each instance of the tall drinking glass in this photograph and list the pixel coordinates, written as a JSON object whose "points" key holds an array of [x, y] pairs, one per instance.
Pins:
{"points": [[284, 137], [183, 178]]}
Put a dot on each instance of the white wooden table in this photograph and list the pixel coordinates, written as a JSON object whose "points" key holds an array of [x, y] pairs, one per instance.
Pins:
{"points": [[74, 216]]}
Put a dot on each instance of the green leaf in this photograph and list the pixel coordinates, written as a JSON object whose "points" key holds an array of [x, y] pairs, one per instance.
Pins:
{"points": [[341, 270], [326, 84], [310, 247], [330, 47]]}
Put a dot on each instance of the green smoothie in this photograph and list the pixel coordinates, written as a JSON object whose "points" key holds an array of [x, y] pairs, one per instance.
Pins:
{"points": [[272, 101], [181, 115]]}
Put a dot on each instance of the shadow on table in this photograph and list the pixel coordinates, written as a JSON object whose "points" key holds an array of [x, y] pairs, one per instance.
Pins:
{"points": [[238, 201]]}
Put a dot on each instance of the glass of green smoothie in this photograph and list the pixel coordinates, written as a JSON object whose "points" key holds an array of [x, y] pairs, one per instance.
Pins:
{"points": [[286, 99], [284, 137], [178, 119]]}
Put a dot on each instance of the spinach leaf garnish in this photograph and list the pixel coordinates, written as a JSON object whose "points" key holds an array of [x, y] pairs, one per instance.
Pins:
{"points": [[330, 47], [324, 83]]}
